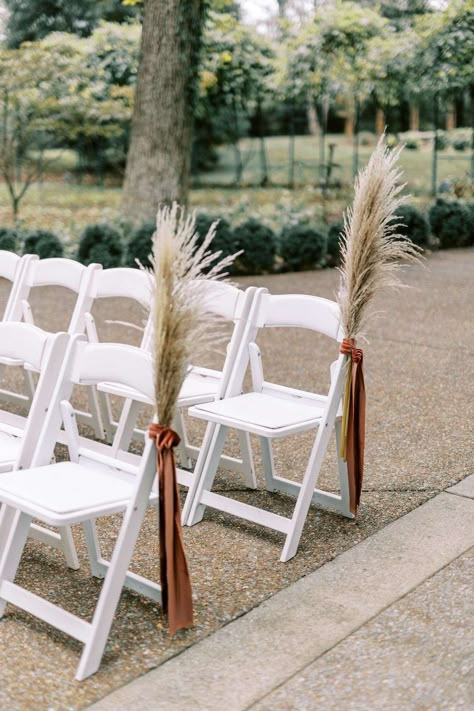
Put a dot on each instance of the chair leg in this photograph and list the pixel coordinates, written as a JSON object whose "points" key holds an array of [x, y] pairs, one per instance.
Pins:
{"points": [[268, 464], [247, 459], [106, 415], [204, 475], [15, 544], [68, 548], [343, 476], [93, 548], [126, 425], [111, 590], [96, 417], [183, 446], [308, 486], [7, 515]]}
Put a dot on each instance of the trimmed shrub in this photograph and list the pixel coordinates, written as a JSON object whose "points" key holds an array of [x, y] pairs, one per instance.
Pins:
{"points": [[302, 246], [413, 224], [100, 243], [259, 245], [441, 142], [224, 240], [333, 247], [451, 223], [43, 243], [412, 144], [461, 144], [140, 244], [10, 239]]}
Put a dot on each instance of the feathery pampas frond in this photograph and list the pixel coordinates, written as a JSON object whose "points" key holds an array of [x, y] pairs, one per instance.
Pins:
{"points": [[183, 326], [371, 247]]}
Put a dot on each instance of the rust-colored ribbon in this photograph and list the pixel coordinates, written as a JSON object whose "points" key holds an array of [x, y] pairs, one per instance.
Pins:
{"points": [[176, 593], [353, 426]]}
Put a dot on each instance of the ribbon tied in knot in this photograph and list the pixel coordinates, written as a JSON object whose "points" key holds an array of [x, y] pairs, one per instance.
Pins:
{"points": [[353, 421], [165, 437], [176, 592]]}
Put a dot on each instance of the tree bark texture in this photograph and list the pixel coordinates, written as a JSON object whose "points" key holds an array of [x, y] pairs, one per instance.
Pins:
{"points": [[414, 117], [379, 121], [159, 157]]}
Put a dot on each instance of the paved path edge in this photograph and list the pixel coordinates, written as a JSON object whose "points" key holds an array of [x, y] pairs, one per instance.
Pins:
{"points": [[244, 661]]}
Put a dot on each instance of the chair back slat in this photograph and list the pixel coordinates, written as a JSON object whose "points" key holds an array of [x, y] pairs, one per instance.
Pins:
{"points": [[23, 342], [113, 362], [9, 263], [298, 310], [224, 299], [124, 282], [56, 272]]}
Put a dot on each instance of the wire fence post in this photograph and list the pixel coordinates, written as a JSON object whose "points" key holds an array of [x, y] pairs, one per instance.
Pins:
{"points": [[434, 168]]}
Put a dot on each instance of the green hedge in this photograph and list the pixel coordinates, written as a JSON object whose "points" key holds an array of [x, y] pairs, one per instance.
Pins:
{"points": [[413, 223], [452, 223], [43, 243], [10, 239], [302, 246], [101, 243], [139, 245], [258, 243]]}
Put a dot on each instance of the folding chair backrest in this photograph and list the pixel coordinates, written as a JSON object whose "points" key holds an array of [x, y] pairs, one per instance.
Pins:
{"points": [[123, 282], [300, 311], [92, 364], [66, 273], [11, 268], [24, 343], [286, 311]]}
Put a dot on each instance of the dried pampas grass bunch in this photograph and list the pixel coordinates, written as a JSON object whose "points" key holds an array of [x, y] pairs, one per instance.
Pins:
{"points": [[372, 249], [183, 326]]}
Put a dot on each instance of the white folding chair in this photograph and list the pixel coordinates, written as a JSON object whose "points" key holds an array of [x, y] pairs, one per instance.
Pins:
{"points": [[92, 485], [274, 411], [201, 384], [70, 275], [11, 269], [21, 343], [134, 284]]}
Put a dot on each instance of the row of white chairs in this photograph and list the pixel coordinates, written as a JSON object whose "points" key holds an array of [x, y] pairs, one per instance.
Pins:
{"points": [[104, 478]]}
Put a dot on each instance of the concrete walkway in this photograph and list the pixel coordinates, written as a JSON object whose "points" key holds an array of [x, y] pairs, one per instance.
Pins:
{"points": [[386, 625]]}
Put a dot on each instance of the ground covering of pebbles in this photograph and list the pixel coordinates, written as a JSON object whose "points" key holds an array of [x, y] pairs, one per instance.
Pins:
{"points": [[419, 441]]}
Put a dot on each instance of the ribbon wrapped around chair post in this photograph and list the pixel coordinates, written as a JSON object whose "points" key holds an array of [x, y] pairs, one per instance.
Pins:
{"points": [[353, 421], [176, 593]]}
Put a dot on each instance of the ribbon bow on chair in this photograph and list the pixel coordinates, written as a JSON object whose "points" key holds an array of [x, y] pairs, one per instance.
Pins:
{"points": [[353, 421], [176, 591]]}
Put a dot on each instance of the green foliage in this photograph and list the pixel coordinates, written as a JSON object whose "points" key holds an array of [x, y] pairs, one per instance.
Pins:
{"points": [[302, 246], [461, 144], [413, 224], [451, 222], [139, 245], [100, 243], [10, 239], [43, 243], [31, 20], [259, 247], [412, 144], [333, 247], [441, 141], [224, 240]]}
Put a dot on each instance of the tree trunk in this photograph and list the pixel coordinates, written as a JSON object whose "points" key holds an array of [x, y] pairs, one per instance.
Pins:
{"points": [[349, 124], [450, 115], [379, 121], [312, 115], [414, 117], [159, 157]]}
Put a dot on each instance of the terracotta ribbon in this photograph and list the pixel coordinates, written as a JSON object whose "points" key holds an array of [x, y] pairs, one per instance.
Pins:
{"points": [[176, 593], [353, 423]]}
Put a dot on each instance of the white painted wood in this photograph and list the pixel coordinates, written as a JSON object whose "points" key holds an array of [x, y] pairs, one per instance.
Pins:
{"points": [[273, 411], [80, 491]]}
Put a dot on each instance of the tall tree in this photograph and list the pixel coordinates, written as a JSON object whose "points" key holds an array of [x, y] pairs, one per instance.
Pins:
{"points": [[159, 157]]}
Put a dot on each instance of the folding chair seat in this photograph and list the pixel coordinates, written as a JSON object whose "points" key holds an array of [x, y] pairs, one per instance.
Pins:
{"points": [[70, 275], [93, 484], [271, 412]]}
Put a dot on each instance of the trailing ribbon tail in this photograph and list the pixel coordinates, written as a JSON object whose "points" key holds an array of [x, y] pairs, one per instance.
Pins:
{"points": [[176, 592], [353, 421]]}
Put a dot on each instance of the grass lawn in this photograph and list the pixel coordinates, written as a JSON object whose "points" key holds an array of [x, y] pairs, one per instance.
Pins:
{"points": [[65, 207]]}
